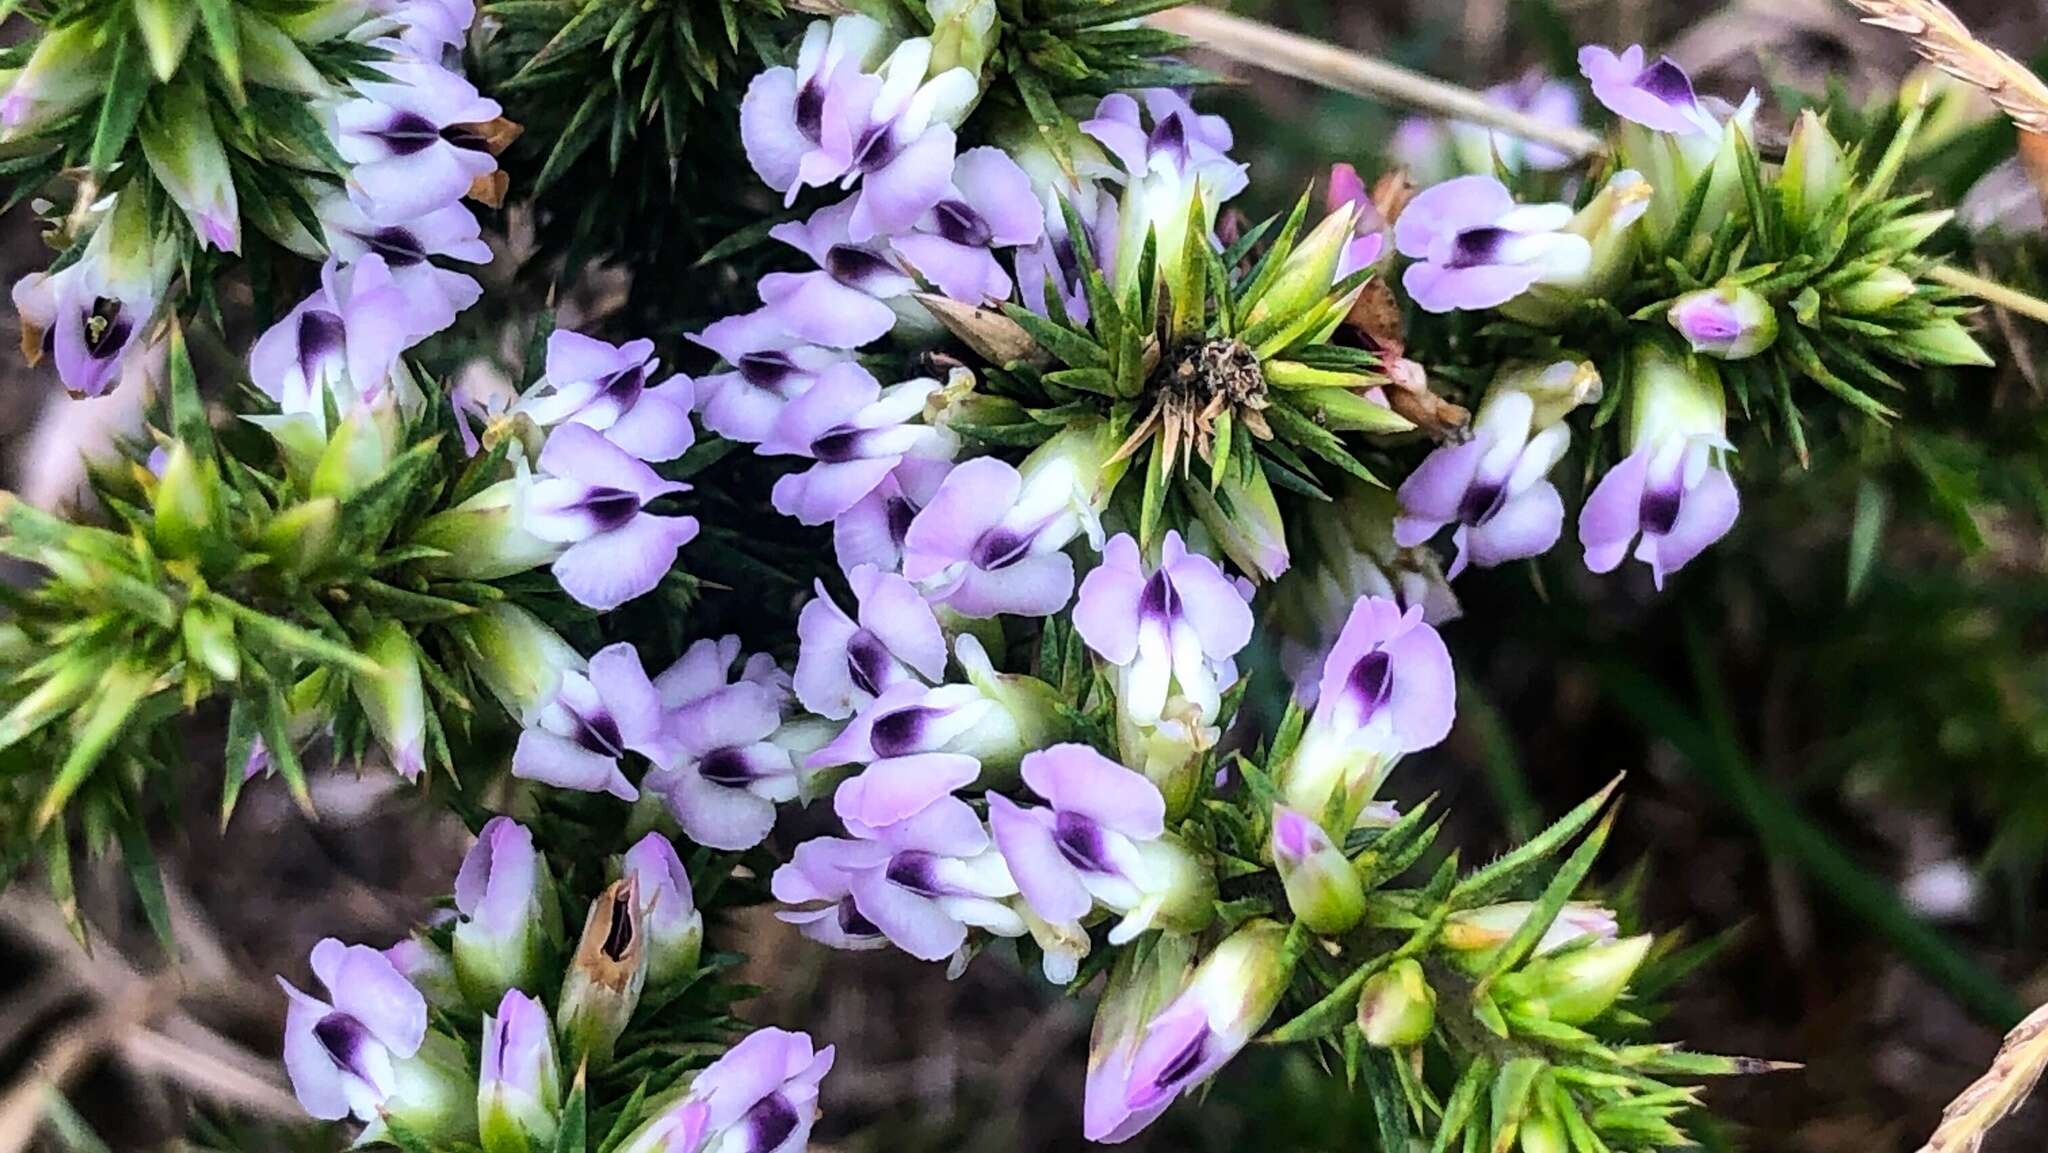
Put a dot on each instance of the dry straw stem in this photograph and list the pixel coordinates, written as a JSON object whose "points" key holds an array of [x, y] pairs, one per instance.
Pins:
{"points": [[1275, 50], [1944, 41], [2014, 1072]]}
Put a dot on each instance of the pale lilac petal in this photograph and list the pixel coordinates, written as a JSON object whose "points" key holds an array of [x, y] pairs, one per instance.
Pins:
{"points": [[612, 568], [1077, 779], [556, 760], [1612, 514], [1050, 883]]}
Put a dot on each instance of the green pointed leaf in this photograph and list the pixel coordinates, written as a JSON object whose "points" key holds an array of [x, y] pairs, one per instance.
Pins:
{"points": [[218, 18], [1495, 880]]}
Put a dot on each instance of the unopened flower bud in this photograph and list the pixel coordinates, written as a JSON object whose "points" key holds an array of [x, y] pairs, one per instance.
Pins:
{"points": [[1609, 223], [507, 905], [1556, 388], [1941, 341], [485, 537], [188, 503], [1814, 173], [1729, 322], [1576, 986], [1307, 274], [963, 33], [517, 656], [1245, 520], [395, 699], [1544, 1133], [1180, 894], [63, 74], [605, 976], [669, 918], [428, 969], [1397, 1006], [357, 452], [166, 27], [1322, 887], [1908, 232], [1875, 291], [1478, 931], [519, 1090], [187, 158], [209, 636]]}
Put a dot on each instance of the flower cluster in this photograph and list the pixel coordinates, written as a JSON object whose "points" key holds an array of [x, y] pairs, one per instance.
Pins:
{"points": [[391, 1042]]}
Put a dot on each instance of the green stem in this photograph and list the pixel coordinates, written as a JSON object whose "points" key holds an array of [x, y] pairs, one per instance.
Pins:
{"points": [[1711, 746]]}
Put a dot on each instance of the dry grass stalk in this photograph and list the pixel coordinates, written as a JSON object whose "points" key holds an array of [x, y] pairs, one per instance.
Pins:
{"points": [[2014, 1072], [1944, 41]]}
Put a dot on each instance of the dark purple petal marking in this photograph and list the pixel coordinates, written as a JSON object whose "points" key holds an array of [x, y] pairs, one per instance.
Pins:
{"points": [[1667, 82], [1170, 136], [902, 731], [344, 1038], [399, 247], [1475, 247], [1371, 683], [1184, 1063], [727, 767], [916, 871], [961, 224], [843, 444], [769, 370], [768, 1124], [1659, 510], [599, 733], [853, 923], [877, 148], [611, 508], [106, 328], [1159, 600], [408, 133], [868, 662], [810, 110], [625, 386], [999, 548], [1081, 842], [857, 267], [1481, 502], [321, 335], [899, 512]]}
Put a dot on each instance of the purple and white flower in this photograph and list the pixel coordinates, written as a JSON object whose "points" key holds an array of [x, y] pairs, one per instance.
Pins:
{"points": [[341, 342], [606, 387], [760, 1097], [771, 366], [845, 662], [1175, 1050], [848, 301], [1493, 487], [829, 120], [429, 29], [988, 205], [1173, 627], [723, 776], [988, 544], [90, 316], [1386, 690], [1178, 165], [873, 530], [407, 138], [1672, 490], [436, 295], [857, 432], [1085, 847], [911, 718], [922, 882], [505, 903], [340, 1054], [593, 497], [1475, 248], [1658, 96], [579, 738]]}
